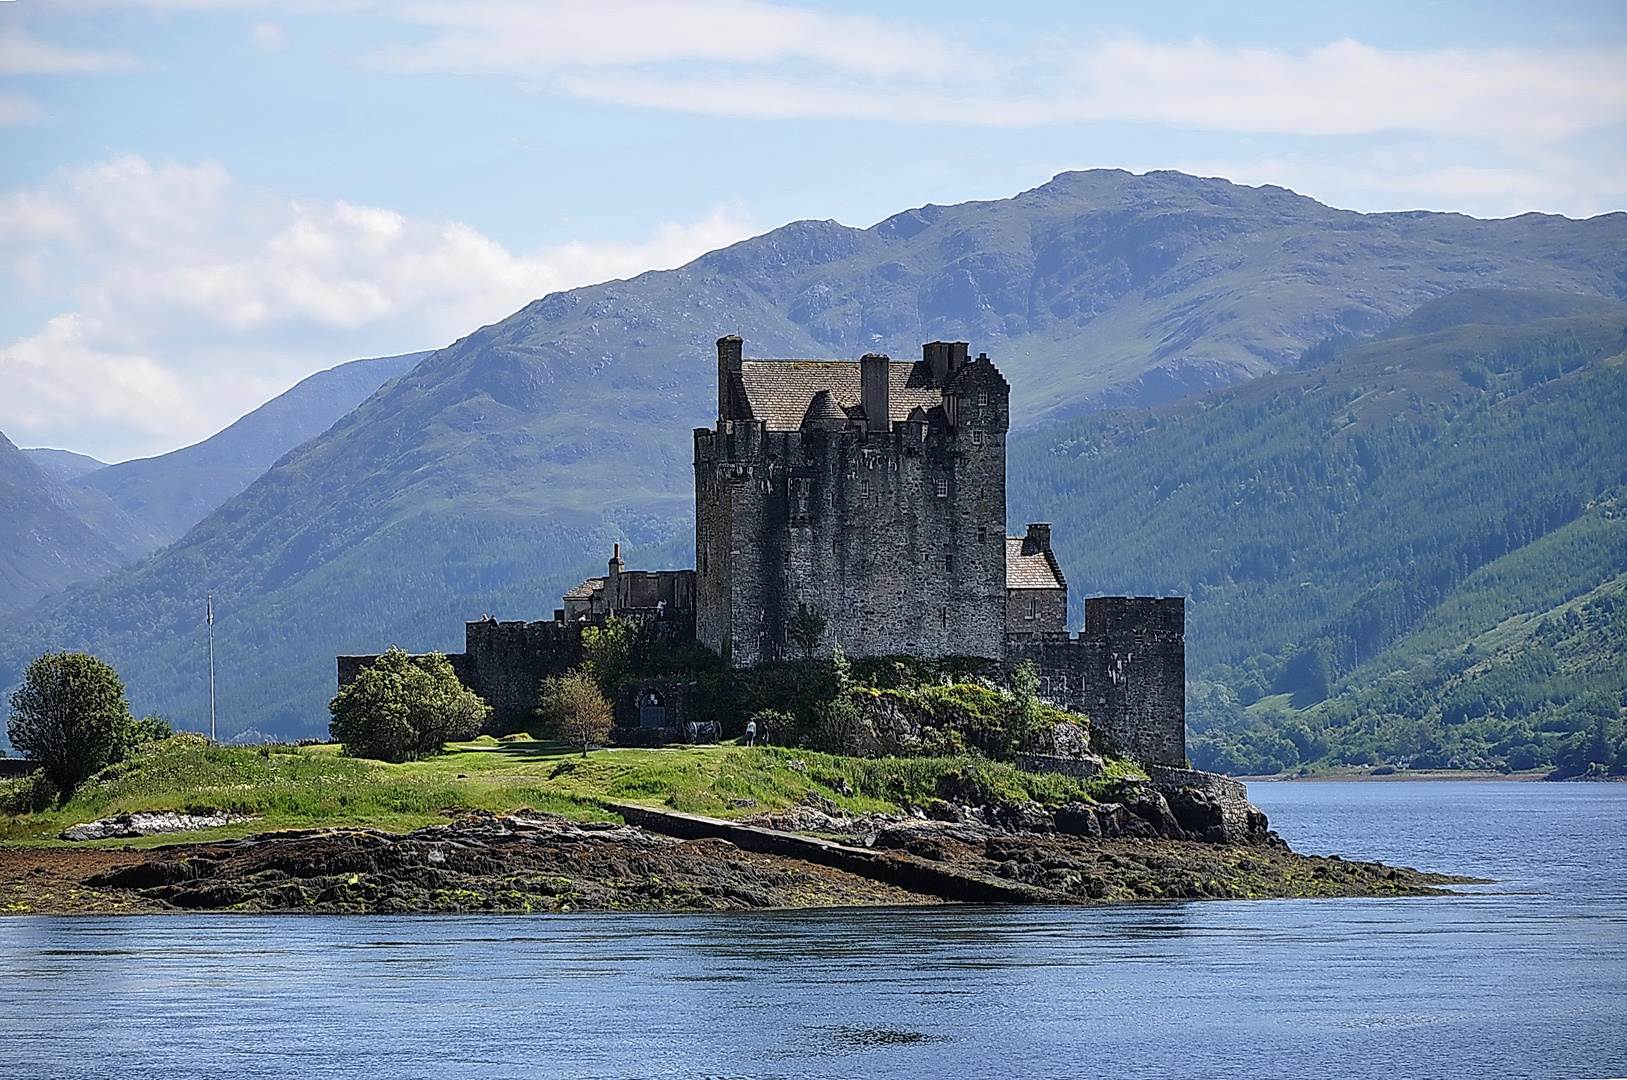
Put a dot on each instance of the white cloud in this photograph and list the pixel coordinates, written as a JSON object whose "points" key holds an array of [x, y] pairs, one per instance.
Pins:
{"points": [[742, 58], [527, 38], [269, 37], [21, 53], [1349, 88], [188, 299]]}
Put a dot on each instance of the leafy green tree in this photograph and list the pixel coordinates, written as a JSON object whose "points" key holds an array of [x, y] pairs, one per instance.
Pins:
{"points": [[1025, 694], [806, 629], [574, 711], [148, 729], [609, 652], [402, 707], [71, 716]]}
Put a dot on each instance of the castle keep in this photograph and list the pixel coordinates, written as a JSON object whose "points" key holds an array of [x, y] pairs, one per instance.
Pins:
{"points": [[873, 493]]}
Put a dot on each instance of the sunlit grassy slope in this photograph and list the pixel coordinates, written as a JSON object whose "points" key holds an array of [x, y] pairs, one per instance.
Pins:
{"points": [[298, 787]]}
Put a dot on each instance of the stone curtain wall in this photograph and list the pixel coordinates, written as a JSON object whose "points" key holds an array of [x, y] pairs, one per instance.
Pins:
{"points": [[1142, 641], [1126, 671]]}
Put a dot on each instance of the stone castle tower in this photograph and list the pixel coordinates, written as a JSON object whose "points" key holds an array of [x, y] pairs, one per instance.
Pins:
{"points": [[873, 492]]}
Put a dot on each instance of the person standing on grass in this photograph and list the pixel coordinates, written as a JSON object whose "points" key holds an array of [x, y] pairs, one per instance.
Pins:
{"points": [[751, 732]]}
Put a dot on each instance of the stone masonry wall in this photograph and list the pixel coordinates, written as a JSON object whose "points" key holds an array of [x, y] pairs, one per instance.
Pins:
{"points": [[1126, 670], [896, 537]]}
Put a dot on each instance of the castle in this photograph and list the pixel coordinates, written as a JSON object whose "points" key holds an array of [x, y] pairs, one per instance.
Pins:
{"points": [[874, 494]]}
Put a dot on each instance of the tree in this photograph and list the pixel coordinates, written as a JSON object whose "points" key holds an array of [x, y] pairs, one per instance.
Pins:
{"points": [[71, 716], [806, 629], [609, 652], [1025, 694], [574, 711], [402, 707]]}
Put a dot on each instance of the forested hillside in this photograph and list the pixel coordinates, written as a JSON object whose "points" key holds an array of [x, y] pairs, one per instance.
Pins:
{"points": [[52, 535], [1341, 528], [172, 492]]}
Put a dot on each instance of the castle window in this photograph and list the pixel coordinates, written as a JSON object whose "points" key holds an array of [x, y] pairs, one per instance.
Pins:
{"points": [[982, 399], [1033, 608], [982, 534], [977, 436], [948, 563], [943, 489], [864, 488]]}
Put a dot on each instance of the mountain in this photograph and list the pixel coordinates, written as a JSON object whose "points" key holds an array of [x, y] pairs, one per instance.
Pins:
{"points": [[52, 536], [172, 492], [499, 470], [65, 465], [1348, 532]]}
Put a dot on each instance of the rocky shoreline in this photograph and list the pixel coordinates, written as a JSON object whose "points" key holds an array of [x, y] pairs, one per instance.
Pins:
{"points": [[804, 857]]}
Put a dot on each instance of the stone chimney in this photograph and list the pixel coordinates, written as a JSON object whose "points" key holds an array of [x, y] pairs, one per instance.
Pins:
{"points": [[729, 350], [1038, 539], [612, 581], [944, 358], [874, 377]]}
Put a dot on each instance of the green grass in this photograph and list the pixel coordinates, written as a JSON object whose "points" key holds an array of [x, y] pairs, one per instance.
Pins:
{"points": [[304, 787]]}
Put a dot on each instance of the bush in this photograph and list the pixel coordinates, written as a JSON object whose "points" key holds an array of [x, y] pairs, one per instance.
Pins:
{"points": [[403, 707], [839, 729], [574, 711], [609, 652], [27, 795], [71, 716]]}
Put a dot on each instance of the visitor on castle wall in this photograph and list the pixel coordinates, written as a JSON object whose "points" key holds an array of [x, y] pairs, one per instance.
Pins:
{"points": [[751, 732]]}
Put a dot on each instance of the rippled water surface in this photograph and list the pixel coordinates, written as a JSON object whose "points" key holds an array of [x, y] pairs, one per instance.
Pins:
{"points": [[1527, 977]]}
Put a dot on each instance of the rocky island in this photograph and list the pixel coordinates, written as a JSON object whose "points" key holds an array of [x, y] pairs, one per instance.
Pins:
{"points": [[1179, 837]]}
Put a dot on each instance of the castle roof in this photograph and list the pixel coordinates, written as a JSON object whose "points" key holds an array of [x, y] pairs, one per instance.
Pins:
{"points": [[780, 391], [1037, 570], [585, 590], [823, 412]]}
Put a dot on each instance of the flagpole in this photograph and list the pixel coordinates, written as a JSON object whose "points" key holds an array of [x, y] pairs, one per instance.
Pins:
{"points": [[209, 618]]}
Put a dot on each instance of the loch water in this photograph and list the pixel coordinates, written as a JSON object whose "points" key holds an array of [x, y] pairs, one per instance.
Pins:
{"points": [[1523, 978]]}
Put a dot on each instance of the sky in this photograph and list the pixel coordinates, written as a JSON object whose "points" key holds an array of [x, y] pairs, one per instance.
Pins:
{"points": [[204, 201]]}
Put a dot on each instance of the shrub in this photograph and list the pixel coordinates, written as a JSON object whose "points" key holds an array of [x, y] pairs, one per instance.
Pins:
{"points": [[71, 716], [28, 794], [149, 729], [609, 652], [403, 707], [838, 728], [574, 711], [806, 629]]}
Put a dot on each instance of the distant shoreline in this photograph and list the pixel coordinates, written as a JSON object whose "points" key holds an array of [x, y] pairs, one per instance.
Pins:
{"points": [[1459, 775]]}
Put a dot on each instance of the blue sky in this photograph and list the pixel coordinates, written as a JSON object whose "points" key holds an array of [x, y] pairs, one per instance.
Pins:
{"points": [[201, 202]]}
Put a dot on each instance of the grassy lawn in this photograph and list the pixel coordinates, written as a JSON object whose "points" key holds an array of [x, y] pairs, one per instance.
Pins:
{"points": [[302, 787]]}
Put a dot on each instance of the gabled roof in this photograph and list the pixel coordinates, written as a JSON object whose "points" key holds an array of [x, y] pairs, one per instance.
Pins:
{"points": [[1036, 571], [586, 590], [780, 391]]}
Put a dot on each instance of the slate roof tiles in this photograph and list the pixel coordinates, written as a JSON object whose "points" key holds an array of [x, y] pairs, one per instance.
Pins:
{"points": [[780, 391]]}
